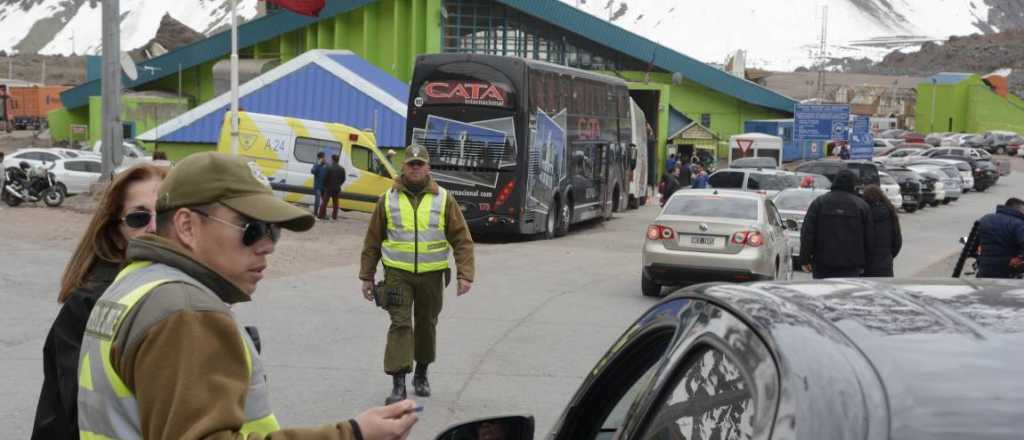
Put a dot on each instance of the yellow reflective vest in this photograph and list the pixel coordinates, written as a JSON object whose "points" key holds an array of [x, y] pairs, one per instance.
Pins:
{"points": [[416, 240], [107, 409]]}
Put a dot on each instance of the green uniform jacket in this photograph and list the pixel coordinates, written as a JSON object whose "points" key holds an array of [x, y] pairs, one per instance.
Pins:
{"points": [[455, 229], [182, 356]]}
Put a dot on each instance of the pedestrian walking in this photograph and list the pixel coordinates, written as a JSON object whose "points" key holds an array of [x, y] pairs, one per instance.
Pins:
{"points": [[163, 356], [1001, 239], [836, 237], [127, 210], [701, 181], [318, 182], [669, 184], [414, 227], [844, 152], [685, 173], [334, 178], [887, 239], [671, 163]]}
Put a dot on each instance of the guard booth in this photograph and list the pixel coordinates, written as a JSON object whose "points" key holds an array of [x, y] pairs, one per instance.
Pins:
{"points": [[694, 140], [755, 145]]}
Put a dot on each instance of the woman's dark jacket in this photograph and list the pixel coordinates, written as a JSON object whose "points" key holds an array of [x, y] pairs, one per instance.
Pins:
{"points": [[885, 243], [57, 412]]}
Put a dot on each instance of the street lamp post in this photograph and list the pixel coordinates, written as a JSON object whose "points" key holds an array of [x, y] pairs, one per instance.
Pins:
{"points": [[934, 92], [234, 77]]}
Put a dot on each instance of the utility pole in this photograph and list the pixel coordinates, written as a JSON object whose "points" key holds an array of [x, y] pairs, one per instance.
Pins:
{"points": [[111, 89], [234, 77], [822, 53]]}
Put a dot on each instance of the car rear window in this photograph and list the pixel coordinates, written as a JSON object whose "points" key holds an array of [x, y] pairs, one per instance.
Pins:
{"points": [[796, 200], [764, 181], [712, 206]]}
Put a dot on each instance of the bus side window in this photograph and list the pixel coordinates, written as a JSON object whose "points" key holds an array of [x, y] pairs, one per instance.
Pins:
{"points": [[306, 149]]}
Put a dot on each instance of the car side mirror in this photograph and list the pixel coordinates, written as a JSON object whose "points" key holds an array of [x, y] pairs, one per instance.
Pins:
{"points": [[791, 224], [497, 428]]}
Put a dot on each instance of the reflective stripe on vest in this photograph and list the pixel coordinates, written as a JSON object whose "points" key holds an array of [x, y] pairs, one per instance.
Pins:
{"points": [[107, 409], [416, 241]]}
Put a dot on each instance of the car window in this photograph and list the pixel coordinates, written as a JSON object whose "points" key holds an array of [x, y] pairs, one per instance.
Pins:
{"points": [[76, 165], [306, 149], [31, 155], [710, 400], [712, 206], [364, 159], [726, 179], [93, 167], [795, 200], [70, 154], [867, 173], [49, 157], [773, 214]]}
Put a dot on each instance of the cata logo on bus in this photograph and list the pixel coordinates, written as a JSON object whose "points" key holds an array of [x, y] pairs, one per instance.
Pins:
{"points": [[465, 92]]}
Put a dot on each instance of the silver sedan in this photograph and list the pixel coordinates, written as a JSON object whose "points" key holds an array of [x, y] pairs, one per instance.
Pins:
{"points": [[793, 204], [708, 234]]}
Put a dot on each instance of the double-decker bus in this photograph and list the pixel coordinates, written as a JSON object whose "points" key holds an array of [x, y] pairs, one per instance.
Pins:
{"points": [[526, 147]]}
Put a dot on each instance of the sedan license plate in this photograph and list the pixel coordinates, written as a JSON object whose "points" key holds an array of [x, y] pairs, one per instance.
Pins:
{"points": [[702, 241]]}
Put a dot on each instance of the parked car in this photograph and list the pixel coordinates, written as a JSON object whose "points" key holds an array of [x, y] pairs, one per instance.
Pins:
{"points": [[884, 146], [39, 156], [892, 133], [817, 180], [765, 181], [821, 359], [998, 142], [866, 171], [935, 139], [75, 172], [715, 234], [962, 167], [792, 205], [133, 153], [1002, 165], [971, 140], [901, 154], [949, 177], [936, 181], [984, 172], [767, 163], [914, 189], [891, 189]]}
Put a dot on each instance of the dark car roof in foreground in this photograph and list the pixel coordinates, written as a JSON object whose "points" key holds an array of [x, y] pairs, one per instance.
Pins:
{"points": [[948, 353]]}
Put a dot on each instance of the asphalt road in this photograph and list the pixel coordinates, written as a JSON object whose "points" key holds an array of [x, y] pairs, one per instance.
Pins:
{"points": [[537, 320]]}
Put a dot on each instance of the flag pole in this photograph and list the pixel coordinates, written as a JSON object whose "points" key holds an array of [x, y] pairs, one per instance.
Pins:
{"points": [[234, 77]]}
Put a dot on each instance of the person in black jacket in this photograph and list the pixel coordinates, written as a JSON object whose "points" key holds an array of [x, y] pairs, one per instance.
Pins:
{"points": [[670, 184], [838, 231], [126, 211], [334, 177], [887, 239], [1001, 237]]}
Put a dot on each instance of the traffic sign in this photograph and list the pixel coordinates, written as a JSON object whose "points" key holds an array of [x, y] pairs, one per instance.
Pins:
{"points": [[862, 143], [820, 122], [744, 144]]}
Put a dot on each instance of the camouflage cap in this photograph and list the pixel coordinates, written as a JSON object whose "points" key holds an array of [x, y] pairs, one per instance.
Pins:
{"points": [[237, 183], [416, 153]]}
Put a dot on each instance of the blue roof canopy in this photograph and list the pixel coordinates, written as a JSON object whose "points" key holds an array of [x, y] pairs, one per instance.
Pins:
{"points": [[320, 85], [949, 78]]}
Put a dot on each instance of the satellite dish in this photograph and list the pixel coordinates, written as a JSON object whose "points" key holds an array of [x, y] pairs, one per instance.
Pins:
{"points": [[128, 66]]}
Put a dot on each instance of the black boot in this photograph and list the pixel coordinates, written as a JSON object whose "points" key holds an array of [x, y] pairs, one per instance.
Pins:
{"points": [[398, 389], [420, 384]]}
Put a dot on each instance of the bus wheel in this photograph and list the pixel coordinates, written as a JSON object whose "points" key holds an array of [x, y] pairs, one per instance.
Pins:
{"points": [[551, 224], [564, 218]]}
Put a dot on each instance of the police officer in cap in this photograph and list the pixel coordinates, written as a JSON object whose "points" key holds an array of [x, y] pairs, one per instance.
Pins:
{"points": [[415, 226], [162, 356]]}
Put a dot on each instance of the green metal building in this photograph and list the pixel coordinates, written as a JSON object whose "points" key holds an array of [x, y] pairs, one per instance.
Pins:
{"points": [[965, 103], [672, 88]]}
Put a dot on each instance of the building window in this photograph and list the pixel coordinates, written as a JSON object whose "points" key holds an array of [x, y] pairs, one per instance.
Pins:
{"points": [[705, 120], [489, 28]]}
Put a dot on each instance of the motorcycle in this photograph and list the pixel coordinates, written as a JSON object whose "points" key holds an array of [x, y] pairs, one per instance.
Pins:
{"points": [[28, 184], [970, 252]]}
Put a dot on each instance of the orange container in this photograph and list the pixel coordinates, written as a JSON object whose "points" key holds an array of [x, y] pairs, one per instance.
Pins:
{"points": [[28, 106]]}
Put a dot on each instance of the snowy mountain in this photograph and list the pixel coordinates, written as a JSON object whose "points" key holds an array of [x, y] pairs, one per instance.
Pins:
{"points": [[777, 34], [785, 34], [64, 27]]}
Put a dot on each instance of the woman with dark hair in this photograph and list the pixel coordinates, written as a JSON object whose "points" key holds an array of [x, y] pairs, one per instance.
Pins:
{"points": [[126, 211], [887, 240]]}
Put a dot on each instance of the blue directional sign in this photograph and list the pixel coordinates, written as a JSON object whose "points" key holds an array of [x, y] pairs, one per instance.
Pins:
{"points": [[821, 121], [862, 143], [814, 124]]}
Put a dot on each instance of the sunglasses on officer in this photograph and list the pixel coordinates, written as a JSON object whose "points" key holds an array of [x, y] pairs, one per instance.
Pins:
{"points": [[252, 232]]}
